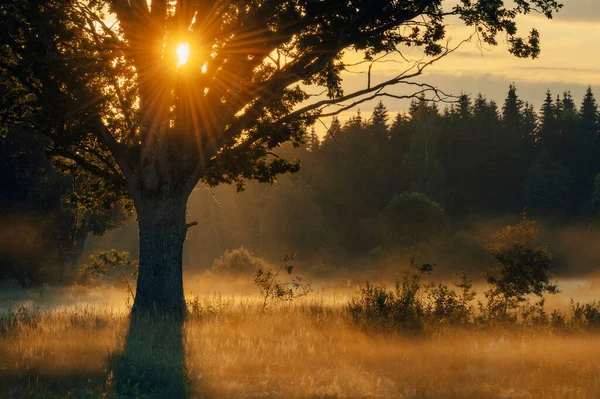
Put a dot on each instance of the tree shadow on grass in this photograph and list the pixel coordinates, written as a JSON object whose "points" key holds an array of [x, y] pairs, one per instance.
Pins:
{"points": [[51, 384], [152, 364]]}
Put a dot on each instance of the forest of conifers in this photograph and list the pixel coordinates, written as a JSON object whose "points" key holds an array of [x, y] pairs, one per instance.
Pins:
{"points": [[473, 158], [368, 187]]}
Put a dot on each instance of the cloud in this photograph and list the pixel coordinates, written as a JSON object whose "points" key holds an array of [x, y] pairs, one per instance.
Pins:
{"points": [[560, 69], [579, 10]]}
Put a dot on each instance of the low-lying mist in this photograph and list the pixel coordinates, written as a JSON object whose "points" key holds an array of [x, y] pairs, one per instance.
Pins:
{"points": [[304, 349], [205, 285]]}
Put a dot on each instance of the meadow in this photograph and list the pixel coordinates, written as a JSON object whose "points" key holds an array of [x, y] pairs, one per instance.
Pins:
{"points": [[307, 348]]}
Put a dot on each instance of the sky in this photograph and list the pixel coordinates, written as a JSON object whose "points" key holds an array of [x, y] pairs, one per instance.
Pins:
{"points": [[570, 60]]}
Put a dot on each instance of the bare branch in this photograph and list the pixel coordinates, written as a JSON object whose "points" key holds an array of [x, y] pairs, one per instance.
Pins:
{"points": [[403, 78]]}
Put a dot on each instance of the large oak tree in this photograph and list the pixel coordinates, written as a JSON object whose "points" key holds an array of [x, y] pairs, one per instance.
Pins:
{"points": [[101, 79]]}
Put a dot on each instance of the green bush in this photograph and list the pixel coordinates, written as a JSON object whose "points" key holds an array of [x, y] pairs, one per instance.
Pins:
{"points": [[403, 309], [412, 218], [524, 267], [413, 306], [238, 262]]}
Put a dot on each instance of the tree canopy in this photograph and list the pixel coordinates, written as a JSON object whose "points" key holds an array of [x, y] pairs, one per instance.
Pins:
{"points": [[99, 88], [102, 81], [336, 205]]}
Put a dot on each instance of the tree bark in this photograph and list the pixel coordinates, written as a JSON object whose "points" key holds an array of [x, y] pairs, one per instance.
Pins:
{"points": [[162, 231]]}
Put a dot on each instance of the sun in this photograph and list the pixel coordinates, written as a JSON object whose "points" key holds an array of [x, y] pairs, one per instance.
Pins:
{"points": [[183, 53]]}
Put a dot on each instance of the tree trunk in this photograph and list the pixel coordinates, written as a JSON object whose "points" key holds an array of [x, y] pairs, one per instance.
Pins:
{"points": [[162, 231], [80, 239]]}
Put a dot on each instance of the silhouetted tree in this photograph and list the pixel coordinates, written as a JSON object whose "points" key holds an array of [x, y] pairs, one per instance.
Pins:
{"points": [[513, 149], [313, 141], [114, 100], [524, 267], [548, 136], [379, 154], [583, 159], [379, 121]]}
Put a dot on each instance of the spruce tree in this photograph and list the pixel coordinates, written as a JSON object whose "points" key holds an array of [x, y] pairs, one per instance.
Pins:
{"points": [[582, 156], [548, 138], [334, 128], [513, 149], [379, 119], [313, 141], [589, 113], [115, 99]]}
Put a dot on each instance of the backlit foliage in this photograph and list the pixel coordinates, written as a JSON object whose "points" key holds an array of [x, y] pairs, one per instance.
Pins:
{"points": [[112, 99], [524, 266], [239, 262]]}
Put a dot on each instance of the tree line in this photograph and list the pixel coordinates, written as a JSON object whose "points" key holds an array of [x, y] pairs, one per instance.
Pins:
{"points": [[476, 157], [369, 185], [386, 180]]}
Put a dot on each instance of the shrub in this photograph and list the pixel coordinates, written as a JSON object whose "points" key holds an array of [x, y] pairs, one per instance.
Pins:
{"points": [[238, 262], [586, 316], [411, 218], [413, 306], [524, 268], [447, 306], [273, 289], [400, 310]]}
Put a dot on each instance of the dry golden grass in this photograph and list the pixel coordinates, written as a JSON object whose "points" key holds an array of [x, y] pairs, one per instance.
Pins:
{"points": [[304, 349]]}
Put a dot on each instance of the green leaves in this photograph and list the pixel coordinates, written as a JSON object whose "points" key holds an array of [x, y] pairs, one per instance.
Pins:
{"points": [[102, 263], [111, 103], [524, 267], [522, 48]]}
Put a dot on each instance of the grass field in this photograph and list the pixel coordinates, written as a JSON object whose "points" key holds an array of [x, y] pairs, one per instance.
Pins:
{"points": [[304, 349]]}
